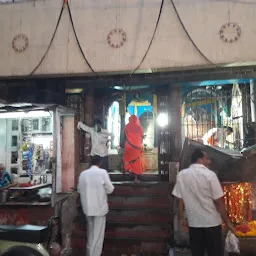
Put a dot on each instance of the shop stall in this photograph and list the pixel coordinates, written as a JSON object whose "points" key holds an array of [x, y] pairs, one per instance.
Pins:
{"points": [[236, 172], [32, 151]]}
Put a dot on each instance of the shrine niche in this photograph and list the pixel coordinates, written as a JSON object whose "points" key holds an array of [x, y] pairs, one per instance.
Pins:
{"points": [[122, 107], [143, 108], [209, 110]]}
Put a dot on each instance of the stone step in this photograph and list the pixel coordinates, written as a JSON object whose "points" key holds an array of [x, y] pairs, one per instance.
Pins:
{"points": [[124, 247], [144, 217], [128, 177], [141, 233], [123, 202], [132, 217], [144, 188], [139, 220]]}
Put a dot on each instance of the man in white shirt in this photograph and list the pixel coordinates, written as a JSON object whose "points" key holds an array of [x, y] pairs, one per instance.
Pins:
{"points": [[99, 138], [217, 137], [199, 189], [94, 185]]}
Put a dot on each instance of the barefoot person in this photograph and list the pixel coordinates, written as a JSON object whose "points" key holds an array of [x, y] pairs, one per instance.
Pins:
{"points": [[133, 147], [217, 137], [99, 137], [94, 185]]}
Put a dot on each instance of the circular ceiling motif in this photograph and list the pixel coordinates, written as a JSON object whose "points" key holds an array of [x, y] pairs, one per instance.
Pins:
{"points": [[20, 43], [116, 38], [230, 32]]}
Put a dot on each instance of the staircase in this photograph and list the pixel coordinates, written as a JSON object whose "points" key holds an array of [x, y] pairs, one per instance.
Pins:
{"points": [[139, 221]]}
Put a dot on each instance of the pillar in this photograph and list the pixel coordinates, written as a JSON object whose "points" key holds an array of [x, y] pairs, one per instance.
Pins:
{"points": [[253, 100], [175, 100], [88, 119], [122, 111], [175, 126]]}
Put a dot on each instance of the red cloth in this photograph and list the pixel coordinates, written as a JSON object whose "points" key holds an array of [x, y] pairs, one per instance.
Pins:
{"points": [[133, 146], [212, 140]]}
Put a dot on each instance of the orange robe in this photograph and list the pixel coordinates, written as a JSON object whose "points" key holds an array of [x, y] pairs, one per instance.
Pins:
{"points": [[133, 150]]}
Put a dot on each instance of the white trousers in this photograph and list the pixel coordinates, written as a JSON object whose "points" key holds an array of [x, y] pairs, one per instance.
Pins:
{"points": [[95, 235]]}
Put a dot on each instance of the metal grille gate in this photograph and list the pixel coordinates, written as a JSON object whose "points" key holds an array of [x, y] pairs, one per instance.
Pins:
{"points": [[215, 107]]}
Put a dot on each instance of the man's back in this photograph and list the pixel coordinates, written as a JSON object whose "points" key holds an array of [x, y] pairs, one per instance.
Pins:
{"points": [[94, 184], [199, 187]]}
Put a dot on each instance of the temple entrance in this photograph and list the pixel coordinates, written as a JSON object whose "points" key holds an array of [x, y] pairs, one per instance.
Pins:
{"points": [[132, 103]]}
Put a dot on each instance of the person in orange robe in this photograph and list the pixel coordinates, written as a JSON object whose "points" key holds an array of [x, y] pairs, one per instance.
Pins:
{"points": [[133, 149]]}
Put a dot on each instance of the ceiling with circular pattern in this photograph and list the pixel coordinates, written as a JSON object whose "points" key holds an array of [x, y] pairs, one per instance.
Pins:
{"points": [[118, 35]]}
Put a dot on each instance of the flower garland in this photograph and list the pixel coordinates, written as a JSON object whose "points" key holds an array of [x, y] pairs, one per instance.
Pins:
{"points": [[246, 230], [238, 201]]}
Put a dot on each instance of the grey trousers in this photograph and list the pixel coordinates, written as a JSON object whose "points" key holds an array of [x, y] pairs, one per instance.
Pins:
{"points": [[95, 235]]}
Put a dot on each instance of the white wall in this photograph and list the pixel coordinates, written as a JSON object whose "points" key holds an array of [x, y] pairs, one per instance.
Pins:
{"points": [[94, 19]]}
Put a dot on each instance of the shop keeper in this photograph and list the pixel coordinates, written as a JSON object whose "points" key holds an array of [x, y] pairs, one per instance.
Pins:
{"points": [[5, 179]]}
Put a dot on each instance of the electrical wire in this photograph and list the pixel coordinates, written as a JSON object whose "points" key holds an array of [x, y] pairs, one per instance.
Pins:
{"points": [[188, 35], [144, 56], [152, 39], [77, 40], [149, 46], [50, 44]]}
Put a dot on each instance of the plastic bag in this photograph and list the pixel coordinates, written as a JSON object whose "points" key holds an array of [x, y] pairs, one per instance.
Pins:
{"points": [[232, 243], [171, 252]]}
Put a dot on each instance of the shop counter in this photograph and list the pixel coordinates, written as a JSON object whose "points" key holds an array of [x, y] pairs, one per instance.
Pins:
{"points": [[25, 207], [31, 187], [22, 213]]}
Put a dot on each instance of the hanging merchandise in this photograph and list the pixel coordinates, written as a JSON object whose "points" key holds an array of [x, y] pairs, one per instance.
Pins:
{"points": [[51, 149], [238, 202], [29, 170], [35, 157], [27, 147]]}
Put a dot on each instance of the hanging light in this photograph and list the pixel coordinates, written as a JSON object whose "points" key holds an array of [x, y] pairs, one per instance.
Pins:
{"points": [[162, 119]]}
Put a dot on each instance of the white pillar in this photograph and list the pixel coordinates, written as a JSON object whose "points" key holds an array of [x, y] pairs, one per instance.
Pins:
{"points": [[253, 100]]}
